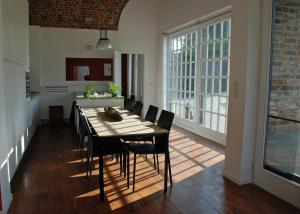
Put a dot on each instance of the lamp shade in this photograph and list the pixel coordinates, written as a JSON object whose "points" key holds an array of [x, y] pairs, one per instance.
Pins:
{"points": [[103, 42]]}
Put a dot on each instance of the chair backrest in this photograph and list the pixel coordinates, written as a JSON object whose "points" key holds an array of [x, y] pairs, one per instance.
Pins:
{"points": [[128, 104], [151, 113], [165, 119], [132, 106], [72, 115], [137, 109]]}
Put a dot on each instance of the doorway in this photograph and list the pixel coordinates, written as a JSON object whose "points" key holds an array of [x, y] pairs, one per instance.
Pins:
{"points": [[132, 76]]}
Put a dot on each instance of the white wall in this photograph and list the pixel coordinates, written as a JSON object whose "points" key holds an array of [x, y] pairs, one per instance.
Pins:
{"points": [[19, 117], [50, 46]]}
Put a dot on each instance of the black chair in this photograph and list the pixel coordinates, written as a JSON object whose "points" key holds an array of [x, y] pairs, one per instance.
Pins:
{"points": [[151, 113], [105, 147], [128, 104], [151, 117], [137, 108], [72, 115], [161, 145]]}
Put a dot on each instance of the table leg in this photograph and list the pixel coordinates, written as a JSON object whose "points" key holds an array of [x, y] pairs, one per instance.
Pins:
{"points": [[101, 181], [166, 174]]}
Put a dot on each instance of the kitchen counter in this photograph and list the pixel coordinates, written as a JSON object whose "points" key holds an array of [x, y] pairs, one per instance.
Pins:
{"points": [[100, 101]]}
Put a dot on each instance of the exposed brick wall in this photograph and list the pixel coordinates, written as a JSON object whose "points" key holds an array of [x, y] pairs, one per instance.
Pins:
{"points": [[82, 14], [285, 93]]}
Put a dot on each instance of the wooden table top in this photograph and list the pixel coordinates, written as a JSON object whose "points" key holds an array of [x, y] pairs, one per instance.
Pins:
{"points": [[131, 125]]}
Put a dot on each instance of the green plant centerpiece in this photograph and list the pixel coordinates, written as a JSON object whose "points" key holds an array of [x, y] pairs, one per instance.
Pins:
{"points": [[114, 88], [88, 91]]}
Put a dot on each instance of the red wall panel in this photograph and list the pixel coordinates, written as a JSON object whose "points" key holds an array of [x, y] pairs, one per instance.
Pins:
{"points": [[96, 68]]}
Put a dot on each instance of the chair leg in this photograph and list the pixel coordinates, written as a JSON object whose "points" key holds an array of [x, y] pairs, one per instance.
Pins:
{"points": [[91, 166], [154, 161], [170, 171], [121, 163], [124, 163], [134, 167], [146, 154], [101, 182], [87, 163], [128, 169], [157, 163]]}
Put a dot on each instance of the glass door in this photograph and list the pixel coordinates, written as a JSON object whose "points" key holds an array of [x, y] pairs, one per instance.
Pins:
{"points": [[277, 155]]}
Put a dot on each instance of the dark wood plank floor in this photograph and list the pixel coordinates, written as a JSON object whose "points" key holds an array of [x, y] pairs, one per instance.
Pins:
{"points": [[52, 180]]}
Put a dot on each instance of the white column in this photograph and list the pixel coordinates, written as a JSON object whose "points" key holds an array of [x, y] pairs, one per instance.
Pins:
{"points": [[245, 59], [129, 75], [117, 69]]}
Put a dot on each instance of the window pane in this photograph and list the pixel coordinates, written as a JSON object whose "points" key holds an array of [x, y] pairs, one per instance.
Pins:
{"points": [[211, 32], [208, 103], [188, 42], [222, 124], [183, 39], [210, 50], [217, 50], [224, 87], [204, 52], [207, 120], [204, 34], [225, 48], [215, 104], [225, 68], [202, 85], [214, 122], [225, 29], [210, 68], [184, 56], [193, 70], [194, 39], [218, 31], [209, 85], [193, 54], [201, 118], [203, 69], [183, 70], [187, 84], [188, 69], [216, 86], [223, 105], [192, 84], [217, 67], [202, 101]]}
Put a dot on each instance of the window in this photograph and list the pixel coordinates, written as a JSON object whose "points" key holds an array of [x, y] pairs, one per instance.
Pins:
{"points": [[182, 75], [214, 75], [282, 143], [198, 74]]}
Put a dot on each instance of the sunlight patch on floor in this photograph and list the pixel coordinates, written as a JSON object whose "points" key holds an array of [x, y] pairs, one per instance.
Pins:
{"points": [[188, 158]]}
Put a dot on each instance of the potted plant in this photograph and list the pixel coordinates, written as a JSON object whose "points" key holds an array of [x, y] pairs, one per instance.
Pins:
{"points": [[114, 88], [88, 91]]}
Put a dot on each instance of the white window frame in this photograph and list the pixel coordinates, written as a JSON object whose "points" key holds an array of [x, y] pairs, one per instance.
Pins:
{"points": [[194, 125]]}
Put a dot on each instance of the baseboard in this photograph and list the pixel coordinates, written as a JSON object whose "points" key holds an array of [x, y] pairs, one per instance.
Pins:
{"points": [[238, 181]]}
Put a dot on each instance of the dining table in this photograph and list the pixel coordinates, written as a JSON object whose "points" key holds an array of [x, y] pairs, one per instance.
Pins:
{"points": [[131, 126]]}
